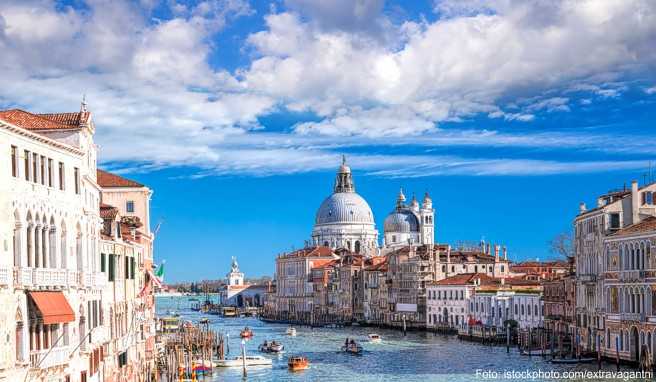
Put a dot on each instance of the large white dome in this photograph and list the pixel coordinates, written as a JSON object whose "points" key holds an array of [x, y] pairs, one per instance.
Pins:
{"points": [[344, 207]]}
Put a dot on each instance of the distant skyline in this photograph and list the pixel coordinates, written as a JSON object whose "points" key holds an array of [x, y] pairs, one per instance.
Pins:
{"points": [[236, 113]]}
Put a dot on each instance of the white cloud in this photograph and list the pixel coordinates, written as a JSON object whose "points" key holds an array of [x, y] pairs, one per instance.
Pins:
{"points": [[651, 90], [372, 83]]}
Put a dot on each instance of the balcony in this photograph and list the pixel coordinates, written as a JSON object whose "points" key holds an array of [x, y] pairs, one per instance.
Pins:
{"points": [[44, 359], [4, 276], [48, 277], [22, 277], [589, 277]]}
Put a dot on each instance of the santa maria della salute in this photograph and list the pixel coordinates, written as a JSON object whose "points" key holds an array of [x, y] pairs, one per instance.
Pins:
{"points": [[344, 220]]}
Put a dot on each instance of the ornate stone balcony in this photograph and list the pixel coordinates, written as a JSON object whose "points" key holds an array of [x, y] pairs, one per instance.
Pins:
{"points": [[46, 358], [49, 277]]}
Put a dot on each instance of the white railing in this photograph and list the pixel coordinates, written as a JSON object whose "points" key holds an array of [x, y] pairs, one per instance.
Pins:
{"points": [[71, 278], [22, 276], [49, 277], [88, 279], [4, 276], [46, 358]]}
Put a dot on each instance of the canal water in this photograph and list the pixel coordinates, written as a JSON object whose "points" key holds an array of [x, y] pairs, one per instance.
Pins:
{"points": [[415, 357]]}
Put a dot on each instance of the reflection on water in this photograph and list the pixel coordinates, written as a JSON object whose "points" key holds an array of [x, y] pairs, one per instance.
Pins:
{"points": [[416, 357]]}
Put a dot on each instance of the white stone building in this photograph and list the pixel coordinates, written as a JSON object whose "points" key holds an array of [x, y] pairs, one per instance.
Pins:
{"points": [[448, 300], [410, 224], [492, 305], [52, 288], [236, 292]]}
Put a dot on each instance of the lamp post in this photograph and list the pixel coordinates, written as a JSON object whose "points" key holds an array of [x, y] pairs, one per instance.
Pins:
{"points": [[243, 358]]}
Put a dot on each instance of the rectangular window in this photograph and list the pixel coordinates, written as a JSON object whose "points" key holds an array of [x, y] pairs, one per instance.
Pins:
{"points": [[35, 167], [111, 264], [62, 178], [103, 265], [118, 229], [76, 179], [127, 268], [14, 161], [649, 198], [27, 165], [42, 168], [614, 221], [129, 206], [132, 266], [49, 172]]}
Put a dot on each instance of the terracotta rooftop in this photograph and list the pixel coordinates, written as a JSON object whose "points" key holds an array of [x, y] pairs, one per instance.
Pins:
{"points": [[53, 121], [319, 251], [109, 180], [646, 225], [321, 263], [466, 279]]}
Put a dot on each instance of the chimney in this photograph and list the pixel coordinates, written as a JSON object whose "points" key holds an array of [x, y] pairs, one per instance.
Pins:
{"points": [[505, 253], [496, 253], [635, 202], [582, 208], [487, 250]]}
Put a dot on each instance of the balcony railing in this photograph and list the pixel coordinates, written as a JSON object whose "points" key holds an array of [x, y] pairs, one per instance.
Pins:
{"points": [[22, 276], [4, 276], [46, 358], [49, 277]]}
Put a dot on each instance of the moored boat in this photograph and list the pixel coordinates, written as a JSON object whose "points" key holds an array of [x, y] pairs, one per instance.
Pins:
{"points": [[291, 331], [250, 360], [298, 363]]}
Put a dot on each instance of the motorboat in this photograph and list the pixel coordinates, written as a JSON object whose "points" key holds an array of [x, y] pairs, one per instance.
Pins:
{"points": [[298, 363], [204, 320], [271, 347], [375, 338], [246, 333], [291, 331], [250, 360], [170, 324], [352, 348]]}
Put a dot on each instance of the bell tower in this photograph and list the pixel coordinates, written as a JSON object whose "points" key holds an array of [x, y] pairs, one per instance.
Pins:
{"points": [[426, 223]]}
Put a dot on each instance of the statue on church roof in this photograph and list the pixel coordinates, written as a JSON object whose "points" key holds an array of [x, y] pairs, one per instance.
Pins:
{"points": [[235, 265]]}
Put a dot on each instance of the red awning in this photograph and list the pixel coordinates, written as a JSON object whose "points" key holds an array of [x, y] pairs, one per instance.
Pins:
{"points": [[53, 306]]}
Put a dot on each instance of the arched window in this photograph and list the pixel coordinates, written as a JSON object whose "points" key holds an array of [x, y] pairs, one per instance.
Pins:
{"points": [[522, 309], [325, 244], [62, 242], [17, 240], [357, 246]]}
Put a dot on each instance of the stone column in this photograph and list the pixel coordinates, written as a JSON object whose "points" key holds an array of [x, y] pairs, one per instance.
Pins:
{"points": [[30, 232], [45, 246], [37, 245]]}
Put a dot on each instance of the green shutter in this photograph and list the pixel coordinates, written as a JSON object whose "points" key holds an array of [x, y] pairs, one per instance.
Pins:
{"points": [[111, 267], [103, 266]]}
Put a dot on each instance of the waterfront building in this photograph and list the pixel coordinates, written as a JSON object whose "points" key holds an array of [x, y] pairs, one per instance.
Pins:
{"points": [[559, 296], [629, 284], [448, 299], [375, 302], [52, 282], [294, 289], [344, 219], [509, 299], [614, 211], [237, 292]]}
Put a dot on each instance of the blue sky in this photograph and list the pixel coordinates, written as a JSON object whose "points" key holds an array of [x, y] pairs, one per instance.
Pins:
{"points": [[236, 113]]}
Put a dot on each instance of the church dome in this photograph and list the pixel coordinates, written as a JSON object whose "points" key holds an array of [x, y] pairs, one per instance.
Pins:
{"points": [[344, 207], [401, 221]]}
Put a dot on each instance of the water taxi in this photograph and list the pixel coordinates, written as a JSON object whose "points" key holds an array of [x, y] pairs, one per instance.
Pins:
{"points": [[229, 311], [291, 331], [297, 363], [375, 338], [250, 360], [246, 333], [271, 347]]}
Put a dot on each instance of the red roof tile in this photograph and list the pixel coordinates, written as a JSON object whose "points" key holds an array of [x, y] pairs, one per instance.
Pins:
{"points": [[56, 121], [107, 179], [466, 279], [319, 251]]}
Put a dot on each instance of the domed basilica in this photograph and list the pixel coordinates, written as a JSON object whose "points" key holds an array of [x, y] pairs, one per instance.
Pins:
{"points": [[345, 220]]}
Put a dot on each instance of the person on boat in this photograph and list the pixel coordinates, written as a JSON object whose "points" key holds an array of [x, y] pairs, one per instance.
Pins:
{"points": [[346, 343], [265, 344]]}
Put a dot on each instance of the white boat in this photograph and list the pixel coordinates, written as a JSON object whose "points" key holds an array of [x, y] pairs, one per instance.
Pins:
{"points": [[375, 338], [251, 360], [291, 331]]}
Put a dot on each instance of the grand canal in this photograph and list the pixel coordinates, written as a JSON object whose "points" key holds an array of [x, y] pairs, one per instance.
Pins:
{"points": [[415, 357]]}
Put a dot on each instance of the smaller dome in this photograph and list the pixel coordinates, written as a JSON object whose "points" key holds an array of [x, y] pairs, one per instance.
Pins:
{"points": [[401, 221]]}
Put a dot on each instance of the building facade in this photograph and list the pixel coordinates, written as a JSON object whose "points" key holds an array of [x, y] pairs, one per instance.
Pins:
{"points": [[51, 273]]}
